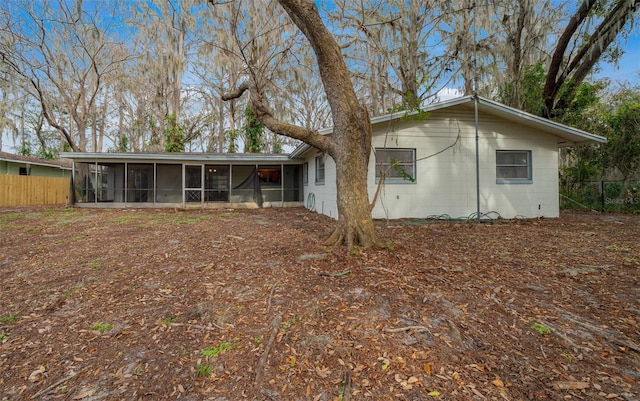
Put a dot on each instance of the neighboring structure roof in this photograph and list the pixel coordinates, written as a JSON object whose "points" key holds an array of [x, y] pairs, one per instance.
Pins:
{"points": [[568, 136], [10, 157], [181, 156]]}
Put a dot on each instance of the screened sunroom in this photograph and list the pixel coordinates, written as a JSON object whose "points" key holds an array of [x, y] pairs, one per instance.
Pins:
{"points": [[185, 180]]}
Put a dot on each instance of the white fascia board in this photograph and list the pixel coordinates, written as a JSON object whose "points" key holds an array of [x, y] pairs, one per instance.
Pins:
{"points": [[303, 147], [572, 136], [430, 107], [180, 157]]}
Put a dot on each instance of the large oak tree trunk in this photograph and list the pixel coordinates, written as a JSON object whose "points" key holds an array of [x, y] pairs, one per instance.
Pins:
{"points": [[350, 143], [351, 129], [355, 225]]}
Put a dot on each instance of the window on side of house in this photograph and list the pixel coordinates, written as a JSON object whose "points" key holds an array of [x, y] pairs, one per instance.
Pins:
{"points": [[513, 167], [24, 171], [398, 165], [305, 173], [320, 169]]}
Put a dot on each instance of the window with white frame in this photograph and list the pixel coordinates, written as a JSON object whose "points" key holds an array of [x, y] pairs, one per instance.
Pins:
{"points": [[320, 169], [397, 165], [513, 167]]}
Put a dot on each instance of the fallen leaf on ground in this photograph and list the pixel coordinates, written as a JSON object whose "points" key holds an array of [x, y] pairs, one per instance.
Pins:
{"points": [[570, 385]]}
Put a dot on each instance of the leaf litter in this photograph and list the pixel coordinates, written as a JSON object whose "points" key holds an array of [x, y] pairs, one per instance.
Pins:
{"points": [[446, 314]]}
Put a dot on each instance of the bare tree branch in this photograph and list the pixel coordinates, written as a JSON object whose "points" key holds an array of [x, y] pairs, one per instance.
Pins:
{"points": [[237, 92]]}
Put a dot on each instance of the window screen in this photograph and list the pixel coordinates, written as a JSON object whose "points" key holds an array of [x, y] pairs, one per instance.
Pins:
{"points": [[393, 162], [513, 166]]}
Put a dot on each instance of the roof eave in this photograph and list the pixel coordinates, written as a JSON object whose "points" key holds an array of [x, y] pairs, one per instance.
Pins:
{"points": [[177, 157], [31, 163], [570, 134]]}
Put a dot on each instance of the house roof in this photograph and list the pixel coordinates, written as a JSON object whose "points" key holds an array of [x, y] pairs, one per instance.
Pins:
{"points": [[180, 156], [567, 136], [10, 157]]}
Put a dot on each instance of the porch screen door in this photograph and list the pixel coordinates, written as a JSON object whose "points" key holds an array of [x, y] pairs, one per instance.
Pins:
{"points": [[193, 183]]}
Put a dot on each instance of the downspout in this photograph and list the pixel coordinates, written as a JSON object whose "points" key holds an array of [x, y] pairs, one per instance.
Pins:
{"points": [[155, 182], [72, 190], [126, 183], [475, 104], [95, 190]]}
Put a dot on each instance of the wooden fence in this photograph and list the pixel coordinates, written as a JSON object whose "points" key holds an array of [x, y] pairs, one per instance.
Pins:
{"points": [[21, 190]]}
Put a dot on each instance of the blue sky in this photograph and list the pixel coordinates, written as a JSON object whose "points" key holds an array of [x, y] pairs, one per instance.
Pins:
{"points": [[629, 66]]}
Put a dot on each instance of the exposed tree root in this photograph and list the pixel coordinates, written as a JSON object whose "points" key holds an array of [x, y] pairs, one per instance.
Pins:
{"points": [[346, 390], [56, 384], [275, 326], [354, 235]]}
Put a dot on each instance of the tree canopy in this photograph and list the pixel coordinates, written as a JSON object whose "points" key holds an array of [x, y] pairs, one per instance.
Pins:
{"points": [[87, 74]]}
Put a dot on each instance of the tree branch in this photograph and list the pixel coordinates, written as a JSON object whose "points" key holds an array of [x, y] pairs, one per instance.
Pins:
{"points": [[265, 116], [554, 81], [237, 92]]}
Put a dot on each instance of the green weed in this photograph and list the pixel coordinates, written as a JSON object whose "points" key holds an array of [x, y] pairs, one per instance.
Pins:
{"points": [[73, 290], [125, 219], [288, 325], [96, 264], [101, 327], [541, 329], [618, 248], [11, 217], [185, 220], [213, 352], [183, 353], [3, 337], [569, 358], [7, 319], [168, 320], [203, 370]]}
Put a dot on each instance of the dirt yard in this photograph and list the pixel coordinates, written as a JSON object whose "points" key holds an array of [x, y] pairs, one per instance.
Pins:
{"points": [[249, 304]]}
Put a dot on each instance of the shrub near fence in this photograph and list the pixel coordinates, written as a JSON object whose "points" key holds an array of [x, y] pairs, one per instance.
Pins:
{"points": [[22, 190], [606, 196]]}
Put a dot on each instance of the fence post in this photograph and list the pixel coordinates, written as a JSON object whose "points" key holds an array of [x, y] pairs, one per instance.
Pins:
{"points": [[602, 195]]}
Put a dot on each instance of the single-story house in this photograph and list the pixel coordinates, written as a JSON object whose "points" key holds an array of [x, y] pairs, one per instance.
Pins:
{"points": [[461, 157], [11, 164]]}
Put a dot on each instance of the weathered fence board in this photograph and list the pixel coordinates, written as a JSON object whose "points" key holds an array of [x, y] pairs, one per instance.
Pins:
{"points": [[21, 190]]}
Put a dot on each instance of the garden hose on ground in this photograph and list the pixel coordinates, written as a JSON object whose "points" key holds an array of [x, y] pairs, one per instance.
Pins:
{"points": [[473, 216]]}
